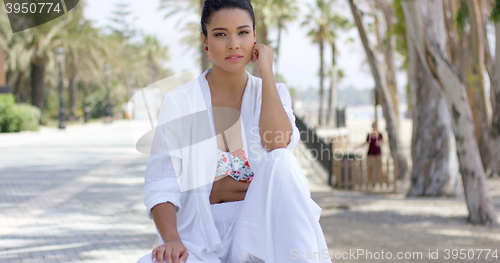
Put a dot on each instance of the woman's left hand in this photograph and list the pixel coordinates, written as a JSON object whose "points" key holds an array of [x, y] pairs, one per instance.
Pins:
{"points": [[264, 55]]}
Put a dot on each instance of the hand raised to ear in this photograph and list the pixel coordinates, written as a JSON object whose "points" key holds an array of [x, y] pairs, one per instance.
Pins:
{"points": [[263, 54]]}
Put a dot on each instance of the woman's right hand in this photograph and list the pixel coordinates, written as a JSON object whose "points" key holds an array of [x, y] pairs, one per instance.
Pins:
{"points": [[172, 252]]}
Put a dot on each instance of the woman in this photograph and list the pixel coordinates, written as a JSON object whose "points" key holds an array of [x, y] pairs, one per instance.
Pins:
{"points": [[374, 157], [238, 195]]}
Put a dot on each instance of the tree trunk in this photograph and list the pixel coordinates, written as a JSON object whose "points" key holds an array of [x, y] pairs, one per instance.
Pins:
{"points": [[389, 114], [478, 82], [153, 68], [261, 38], [21, 89], [435, 163], [3, 79], [38, 87], [427, 39], [409, 97], [72, 97], [332, 95], [379, 100], [204, 56], [495, 121], [388, 51], [278, 43], [321, 77], [451, 7]]}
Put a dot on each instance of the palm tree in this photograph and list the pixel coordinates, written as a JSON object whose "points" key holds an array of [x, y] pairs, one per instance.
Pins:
{"points": [[319, 18], [17, 59], [4, 39], [336, 22], [42, 40], [154, 53], [84, 50], [187, 7], [285, 11]]}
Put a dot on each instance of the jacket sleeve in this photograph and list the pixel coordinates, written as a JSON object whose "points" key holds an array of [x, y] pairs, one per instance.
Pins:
{"points": [[287, 104], [160, 183]]}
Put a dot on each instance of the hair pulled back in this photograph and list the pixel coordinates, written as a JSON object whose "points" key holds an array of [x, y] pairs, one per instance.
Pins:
{"points": [[211, 6]]}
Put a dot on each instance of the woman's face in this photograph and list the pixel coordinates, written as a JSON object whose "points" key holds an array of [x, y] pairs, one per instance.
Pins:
{"points": [[230, 33]]}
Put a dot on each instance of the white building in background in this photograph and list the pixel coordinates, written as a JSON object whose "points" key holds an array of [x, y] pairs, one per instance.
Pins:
{"points": [[144, 100]]}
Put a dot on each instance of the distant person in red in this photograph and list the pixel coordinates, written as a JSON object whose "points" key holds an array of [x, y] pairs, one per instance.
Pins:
{"points": [[374, 157], [375, 139]]}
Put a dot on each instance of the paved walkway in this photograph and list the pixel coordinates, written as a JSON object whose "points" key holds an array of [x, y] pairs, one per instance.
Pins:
{"points": [[73, 196], [76, 196]]}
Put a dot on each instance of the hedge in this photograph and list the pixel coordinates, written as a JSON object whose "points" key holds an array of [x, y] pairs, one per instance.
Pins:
{"points": [[17, 117]]}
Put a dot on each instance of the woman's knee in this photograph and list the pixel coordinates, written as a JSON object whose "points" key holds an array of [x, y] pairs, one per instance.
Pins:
{"points": [[146, 258], [281, 165]]}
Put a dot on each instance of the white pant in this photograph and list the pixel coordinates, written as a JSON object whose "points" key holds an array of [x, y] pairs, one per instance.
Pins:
{"points": [[277, 221]]}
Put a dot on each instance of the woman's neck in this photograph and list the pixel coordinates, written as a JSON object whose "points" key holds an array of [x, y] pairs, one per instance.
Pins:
{"points": [[223, 82]]}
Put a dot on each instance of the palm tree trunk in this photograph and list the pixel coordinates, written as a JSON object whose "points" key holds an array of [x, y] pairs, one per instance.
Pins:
{"points": [[278, 43], [389, 114], [3, 80], [262, 33], [20, 87], [427, 40], [332, 95], [204, 57], [72, 97], [38, 87], [321, 77]]}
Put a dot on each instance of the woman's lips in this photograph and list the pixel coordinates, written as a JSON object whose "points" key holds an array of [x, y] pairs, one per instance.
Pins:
{"points": [[234, 59]]}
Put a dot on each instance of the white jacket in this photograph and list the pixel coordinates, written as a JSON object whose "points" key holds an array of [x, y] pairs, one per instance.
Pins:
{"points": [[184, 174]]}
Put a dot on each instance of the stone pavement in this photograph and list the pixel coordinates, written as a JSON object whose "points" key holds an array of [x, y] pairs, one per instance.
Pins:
{"points": [[76, 196], [73, 196]]}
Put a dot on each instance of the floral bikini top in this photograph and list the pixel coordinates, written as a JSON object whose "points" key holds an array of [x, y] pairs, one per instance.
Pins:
{"points": [[234, 164]]}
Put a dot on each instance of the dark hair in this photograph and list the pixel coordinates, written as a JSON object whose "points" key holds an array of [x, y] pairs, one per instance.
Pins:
{"points": [[211, 6]]}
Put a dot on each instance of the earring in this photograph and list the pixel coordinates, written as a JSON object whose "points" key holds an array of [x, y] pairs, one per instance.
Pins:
{"points": [[254, 43], [206, 48]]}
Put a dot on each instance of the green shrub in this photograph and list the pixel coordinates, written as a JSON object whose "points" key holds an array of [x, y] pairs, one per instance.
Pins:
{"points": [[26, 117], [17, 117], [7, 101]]}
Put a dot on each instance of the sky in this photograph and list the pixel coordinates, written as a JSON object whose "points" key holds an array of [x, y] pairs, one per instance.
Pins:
{"points": [[299, 62]]}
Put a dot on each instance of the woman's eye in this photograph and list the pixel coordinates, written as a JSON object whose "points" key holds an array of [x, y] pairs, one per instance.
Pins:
{"points": [[246, 32]]}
